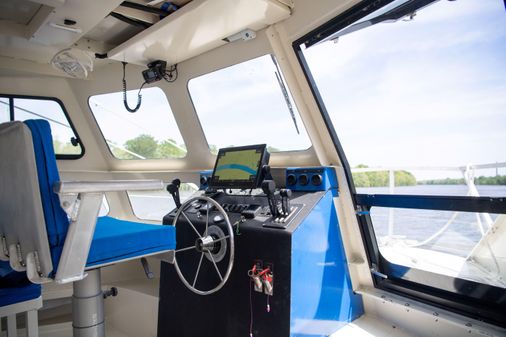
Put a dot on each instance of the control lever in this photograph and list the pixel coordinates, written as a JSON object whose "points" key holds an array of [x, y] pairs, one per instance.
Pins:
{"points": [[269, 188], [285, 200], [147, 269], [173, 189]]}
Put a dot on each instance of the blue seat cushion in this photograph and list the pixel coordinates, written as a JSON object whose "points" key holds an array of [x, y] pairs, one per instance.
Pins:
{"points": [[15, 287], [115, 240], [57, 222]]}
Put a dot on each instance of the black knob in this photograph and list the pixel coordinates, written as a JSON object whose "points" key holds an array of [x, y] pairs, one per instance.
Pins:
{"points": [[203, 180], [268, 187], [316, 179], [291, 180], [74, 141], [303, 180]]}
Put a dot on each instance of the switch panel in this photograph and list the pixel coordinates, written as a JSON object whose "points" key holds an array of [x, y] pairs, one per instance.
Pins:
{"points": [[311, 179]]}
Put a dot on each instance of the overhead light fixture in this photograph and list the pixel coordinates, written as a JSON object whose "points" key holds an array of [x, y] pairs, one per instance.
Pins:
{"points": [[245, 35], [67, 28], [74, 62]]}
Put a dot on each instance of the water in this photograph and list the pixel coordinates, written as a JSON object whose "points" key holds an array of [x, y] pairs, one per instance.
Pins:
{"points": [[416, 226], [153, 205], [453, 190], [410, 225]]}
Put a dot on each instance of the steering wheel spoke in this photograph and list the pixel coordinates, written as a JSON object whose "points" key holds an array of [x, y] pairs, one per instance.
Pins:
{"points": [[207, 218], [191, 224], [185, 249], [198, 269], [215, 266]]}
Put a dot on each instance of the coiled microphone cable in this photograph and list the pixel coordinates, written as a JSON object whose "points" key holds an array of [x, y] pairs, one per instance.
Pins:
{"points": [[139, 96]]}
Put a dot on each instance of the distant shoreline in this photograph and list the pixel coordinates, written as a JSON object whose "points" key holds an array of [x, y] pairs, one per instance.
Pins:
{"points": [[496, 180], [405, 178]]}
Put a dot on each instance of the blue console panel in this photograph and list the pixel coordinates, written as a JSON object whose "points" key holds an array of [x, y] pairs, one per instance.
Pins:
{"points": [[311, 179], [322, 297]]}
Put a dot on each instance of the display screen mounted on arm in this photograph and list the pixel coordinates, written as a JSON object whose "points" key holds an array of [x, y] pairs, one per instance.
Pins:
{"points": [[239, 167]]}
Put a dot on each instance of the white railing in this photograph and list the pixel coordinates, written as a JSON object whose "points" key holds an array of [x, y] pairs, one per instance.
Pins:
{"points": [[468, 172]]}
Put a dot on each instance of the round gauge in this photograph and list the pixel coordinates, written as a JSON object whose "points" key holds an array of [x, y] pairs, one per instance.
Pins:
{"points": [[291, 180], [303, 180], [316, 179]]}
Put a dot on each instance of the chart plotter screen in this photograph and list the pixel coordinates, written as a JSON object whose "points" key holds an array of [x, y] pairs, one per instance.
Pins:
{"points": [[239, 167]]}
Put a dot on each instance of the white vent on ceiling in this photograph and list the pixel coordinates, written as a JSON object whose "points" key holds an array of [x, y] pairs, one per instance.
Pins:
{"points": [[74, 62]]}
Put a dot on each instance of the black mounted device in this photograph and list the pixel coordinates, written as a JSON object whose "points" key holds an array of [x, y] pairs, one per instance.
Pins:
{"points": [[155, 72], [240, 167]]}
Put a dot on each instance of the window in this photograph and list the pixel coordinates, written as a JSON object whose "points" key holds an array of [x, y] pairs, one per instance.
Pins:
{"points": [[104, 207], [154, 205], [246, 104], [150, 133], [65, 141], [4, 110], [416, 97]]}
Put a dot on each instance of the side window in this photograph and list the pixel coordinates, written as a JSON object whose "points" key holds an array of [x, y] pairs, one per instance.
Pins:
{"points": [[104, 208], [150, 133], [4, 110], [248, 103], [65, 141], [153, 205], [418, 104]]}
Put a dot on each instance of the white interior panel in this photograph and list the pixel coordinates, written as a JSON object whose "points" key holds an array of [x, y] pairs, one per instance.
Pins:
{"points": [[192, 30]]}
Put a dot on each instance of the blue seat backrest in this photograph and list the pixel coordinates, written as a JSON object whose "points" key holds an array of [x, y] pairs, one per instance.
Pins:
{"points": [[57, 222]]}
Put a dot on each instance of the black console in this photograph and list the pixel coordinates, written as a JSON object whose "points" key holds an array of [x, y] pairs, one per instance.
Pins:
{"points": [[258, 240], [283, 265]]}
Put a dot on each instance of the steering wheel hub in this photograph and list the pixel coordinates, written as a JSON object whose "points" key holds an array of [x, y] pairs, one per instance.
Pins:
{"points": [[205, 244]]}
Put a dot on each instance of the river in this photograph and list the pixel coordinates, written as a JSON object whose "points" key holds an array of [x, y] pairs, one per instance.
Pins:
{"points": [[409, 225], [415, 226]]}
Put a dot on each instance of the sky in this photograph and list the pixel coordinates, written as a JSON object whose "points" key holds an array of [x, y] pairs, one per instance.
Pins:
{"points": [[426, 92], [244, 105], [154, 117]]}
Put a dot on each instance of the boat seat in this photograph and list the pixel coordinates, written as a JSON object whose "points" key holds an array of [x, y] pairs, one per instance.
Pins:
{"points": [[18, 295], [121, 240], [50, 229]]}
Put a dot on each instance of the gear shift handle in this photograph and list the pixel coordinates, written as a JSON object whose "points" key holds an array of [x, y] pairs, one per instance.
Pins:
{"points": [[285, 200], [173, 189], [269, 188]]}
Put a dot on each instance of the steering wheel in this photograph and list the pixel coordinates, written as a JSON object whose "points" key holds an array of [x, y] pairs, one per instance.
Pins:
{"points": [[212, 244]]}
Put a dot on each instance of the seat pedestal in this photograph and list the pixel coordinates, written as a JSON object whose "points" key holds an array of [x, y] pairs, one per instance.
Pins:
{"points": [[88, 306]]}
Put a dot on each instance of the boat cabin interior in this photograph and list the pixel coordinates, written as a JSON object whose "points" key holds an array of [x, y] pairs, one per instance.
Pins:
{"points": [[261, 168]]}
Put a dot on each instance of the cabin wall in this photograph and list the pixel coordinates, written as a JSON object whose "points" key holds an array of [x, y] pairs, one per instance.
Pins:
{"points": [[28, 78]]}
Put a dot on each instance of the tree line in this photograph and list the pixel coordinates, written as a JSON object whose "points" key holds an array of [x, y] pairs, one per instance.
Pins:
{"points": [[481, 180], [148, 147], [381, 178]]}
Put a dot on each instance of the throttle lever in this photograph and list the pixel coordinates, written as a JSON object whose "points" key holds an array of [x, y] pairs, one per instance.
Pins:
{"points": [[269, 188], [285, 200], [173, 189]]}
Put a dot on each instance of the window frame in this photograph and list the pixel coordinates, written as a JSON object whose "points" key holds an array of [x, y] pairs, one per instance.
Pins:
{"points": [[11, 98], [137, 159], [463, 303]]}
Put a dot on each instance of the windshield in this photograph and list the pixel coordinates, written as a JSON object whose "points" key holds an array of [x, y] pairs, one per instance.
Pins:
{"points": [[234, 101], [418, 102]]}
